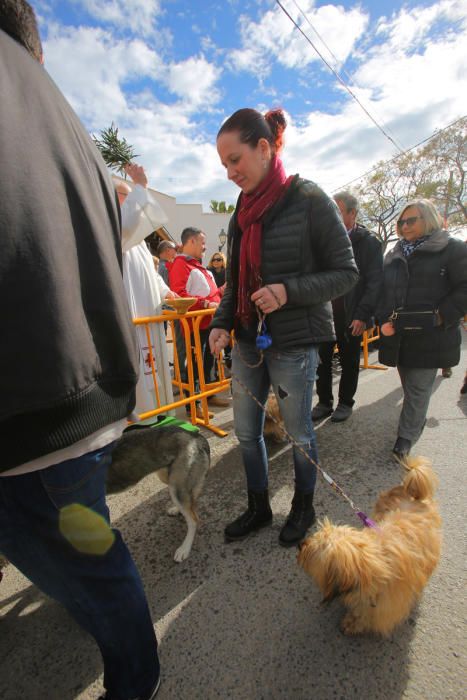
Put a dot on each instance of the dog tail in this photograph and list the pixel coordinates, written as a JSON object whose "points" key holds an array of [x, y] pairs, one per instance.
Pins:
{"points": [[421, 481]]}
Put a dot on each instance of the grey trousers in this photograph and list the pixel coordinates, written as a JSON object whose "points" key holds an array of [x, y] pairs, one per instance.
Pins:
{"points": [[417, 385]]}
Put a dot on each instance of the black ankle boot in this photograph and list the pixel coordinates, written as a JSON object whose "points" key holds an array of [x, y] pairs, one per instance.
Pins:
{"points": [[258, 514], [301, 517]]}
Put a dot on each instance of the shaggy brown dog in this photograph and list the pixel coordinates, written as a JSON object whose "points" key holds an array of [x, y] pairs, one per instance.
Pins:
{"points": [[272, 429], [379, 573]]}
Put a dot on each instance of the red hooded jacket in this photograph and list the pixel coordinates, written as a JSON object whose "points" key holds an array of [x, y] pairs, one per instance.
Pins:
{"points": [[189, 278]]}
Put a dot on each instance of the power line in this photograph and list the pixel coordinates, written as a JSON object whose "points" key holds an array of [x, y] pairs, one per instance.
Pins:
{"points": [[391, 160], [343, 70], [336, 74]]}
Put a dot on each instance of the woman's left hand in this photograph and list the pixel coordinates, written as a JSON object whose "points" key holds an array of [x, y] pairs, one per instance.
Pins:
{"points": [[270, 298]]}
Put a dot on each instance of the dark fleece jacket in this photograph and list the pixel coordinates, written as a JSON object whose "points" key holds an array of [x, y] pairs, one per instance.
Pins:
{"points": [[360, 301], [68, 353]]}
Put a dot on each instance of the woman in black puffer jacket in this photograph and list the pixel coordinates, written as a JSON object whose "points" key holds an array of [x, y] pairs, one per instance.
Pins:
{"points": [[288, 256], [423, 299]]}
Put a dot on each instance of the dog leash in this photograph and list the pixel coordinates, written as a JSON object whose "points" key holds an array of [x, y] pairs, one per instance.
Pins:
{"points": [[367, 521]]}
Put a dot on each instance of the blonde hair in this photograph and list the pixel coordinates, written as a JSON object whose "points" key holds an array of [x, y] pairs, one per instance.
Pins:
{"points": [[430, 214], [220, 255]]}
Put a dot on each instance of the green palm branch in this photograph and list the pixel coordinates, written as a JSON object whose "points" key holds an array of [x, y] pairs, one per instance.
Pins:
{"points": [[116, 152]]}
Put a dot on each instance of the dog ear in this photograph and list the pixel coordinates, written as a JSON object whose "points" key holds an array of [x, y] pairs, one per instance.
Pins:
{"points": [[371, 569], [349, 561]]}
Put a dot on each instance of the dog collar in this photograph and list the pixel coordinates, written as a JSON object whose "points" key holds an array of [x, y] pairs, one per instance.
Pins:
{"points": [[368, 522]]}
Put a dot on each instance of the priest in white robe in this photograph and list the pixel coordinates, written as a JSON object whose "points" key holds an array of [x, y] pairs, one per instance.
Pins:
{"points": [[145, 288]]}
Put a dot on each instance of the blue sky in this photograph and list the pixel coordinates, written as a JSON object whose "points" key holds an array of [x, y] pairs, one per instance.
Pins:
{"points": [[168, 72]]}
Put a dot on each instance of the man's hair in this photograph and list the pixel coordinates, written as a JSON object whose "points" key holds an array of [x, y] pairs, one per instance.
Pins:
{"points": [[17, 18], [349, 200], [189, 232], [163, 246]]}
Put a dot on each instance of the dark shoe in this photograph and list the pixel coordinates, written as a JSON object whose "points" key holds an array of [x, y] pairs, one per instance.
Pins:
{"points": [[341, 413], [321, 410], [152, 693], [401, 449], [258, 514], [464, 386], [301, 517], [447, 372]]}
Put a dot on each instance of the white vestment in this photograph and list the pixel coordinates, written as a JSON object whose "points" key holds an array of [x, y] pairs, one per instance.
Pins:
{"points": [[141, 215]]}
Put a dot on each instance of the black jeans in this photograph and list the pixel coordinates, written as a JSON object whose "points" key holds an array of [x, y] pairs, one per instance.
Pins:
{"points": [[349, 353], [208, 360]]}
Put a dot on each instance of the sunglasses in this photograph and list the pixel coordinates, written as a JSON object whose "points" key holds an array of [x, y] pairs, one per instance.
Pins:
{"points": [[217, 260], [410, 220]]}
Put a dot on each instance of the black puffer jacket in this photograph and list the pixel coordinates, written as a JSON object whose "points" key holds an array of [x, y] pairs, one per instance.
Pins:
{"points": [[360, 301], [433, 277], [306, 248]]}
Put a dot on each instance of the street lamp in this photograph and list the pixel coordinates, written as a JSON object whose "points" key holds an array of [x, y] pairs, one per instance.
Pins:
{"points": [[222, 239]]}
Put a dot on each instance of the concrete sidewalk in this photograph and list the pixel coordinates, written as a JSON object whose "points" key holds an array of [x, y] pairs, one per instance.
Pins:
{"points": [[242, 620]]}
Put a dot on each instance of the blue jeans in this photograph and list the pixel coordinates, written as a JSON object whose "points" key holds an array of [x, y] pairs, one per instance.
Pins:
{"points": [[102, 591], [291, 374]]}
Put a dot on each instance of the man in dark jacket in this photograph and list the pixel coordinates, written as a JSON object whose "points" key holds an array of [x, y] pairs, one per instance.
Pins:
{"points": [[352, 314], [166, 252], [69, 364]]}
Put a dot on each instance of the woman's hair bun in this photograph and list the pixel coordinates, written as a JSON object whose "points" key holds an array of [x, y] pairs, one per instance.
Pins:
{"points": [[277, 123]]}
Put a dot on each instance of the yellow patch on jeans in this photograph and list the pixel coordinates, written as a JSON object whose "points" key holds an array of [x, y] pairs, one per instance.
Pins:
{"points": [[86, 531]]}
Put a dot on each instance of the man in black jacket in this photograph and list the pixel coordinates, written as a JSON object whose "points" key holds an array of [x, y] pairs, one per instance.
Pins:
{"points": [[166, 252], [69, 364], [352, 314]]}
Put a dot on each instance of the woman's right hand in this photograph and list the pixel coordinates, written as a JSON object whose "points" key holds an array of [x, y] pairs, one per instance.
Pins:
{"points": [[218, 340], [388, 329]]}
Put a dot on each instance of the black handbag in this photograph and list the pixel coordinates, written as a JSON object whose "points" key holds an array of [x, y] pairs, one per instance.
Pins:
{"points": [[405, 321]]}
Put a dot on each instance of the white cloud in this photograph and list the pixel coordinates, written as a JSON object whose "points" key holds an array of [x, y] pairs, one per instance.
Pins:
{"points": [[94, 70], [409, 28], [410, 72], [92, 67], [194, 81], [138, 16], [275, 38], [411, 87], [419, 76]]}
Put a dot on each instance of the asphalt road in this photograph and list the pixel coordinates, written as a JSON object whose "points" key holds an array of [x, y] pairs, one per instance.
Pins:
{"points": [[242, 620]]}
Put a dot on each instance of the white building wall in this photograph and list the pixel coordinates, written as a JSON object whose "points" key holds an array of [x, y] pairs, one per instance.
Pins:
{"points": [[183, 215]]}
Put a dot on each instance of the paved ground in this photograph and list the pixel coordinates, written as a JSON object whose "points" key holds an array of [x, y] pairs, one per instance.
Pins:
{"points": [[241, 620]]}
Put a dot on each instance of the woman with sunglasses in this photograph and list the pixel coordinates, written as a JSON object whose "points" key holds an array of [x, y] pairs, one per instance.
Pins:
{"points": [[217, 268], [288, 254], [423, 299]]}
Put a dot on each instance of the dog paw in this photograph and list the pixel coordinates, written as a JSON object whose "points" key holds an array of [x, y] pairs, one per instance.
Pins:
{"points": [[173, 510], [181, 554]]}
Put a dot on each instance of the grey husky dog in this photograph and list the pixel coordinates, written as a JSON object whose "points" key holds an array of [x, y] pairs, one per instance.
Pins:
{"points": [[180, 458]]}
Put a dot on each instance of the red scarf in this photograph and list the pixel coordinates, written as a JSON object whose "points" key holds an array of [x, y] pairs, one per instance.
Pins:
{"points": [[252, 208]]}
